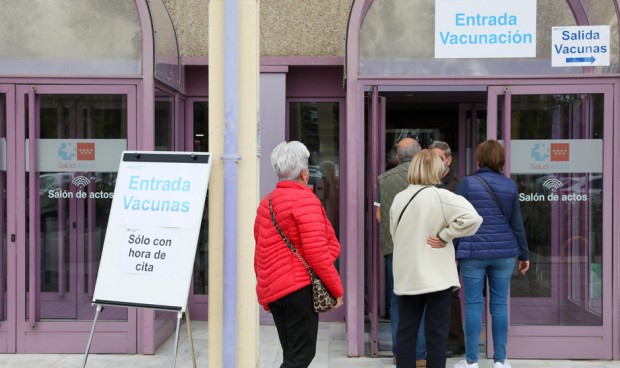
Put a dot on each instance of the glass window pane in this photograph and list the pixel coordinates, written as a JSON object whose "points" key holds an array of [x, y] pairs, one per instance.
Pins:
{"points": [[397, 38], [164, 121], [201, 144], [3, 235], [166, 48], [62, 38], [73, 204], [317, 125]]}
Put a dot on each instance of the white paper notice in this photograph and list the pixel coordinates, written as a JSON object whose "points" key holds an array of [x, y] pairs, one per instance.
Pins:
{"points": [[149, 251]]}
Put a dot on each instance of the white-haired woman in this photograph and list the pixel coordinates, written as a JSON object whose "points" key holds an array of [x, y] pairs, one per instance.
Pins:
{"points": [[423, 221], [282, 281]]}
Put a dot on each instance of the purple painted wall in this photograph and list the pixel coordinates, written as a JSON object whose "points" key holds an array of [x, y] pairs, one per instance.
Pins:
{"points": [[315, 81], [197, 80], [301, 82]]}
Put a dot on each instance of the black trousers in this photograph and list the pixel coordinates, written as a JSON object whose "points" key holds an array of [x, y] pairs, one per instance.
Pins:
{"points": [[457, 335], [298, 326], [437, 324]]}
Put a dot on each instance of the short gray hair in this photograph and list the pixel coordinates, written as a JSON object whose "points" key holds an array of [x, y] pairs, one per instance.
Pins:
{"points": [[445, 147], [288, 159], [407, 148]]}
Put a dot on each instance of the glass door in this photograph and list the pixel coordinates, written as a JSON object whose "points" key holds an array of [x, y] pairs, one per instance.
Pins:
{"points": [[316, 124], [391, 115], [374, 290], [198, 141], [555, 138], [472, 130], [7, 254], [68, 146]]}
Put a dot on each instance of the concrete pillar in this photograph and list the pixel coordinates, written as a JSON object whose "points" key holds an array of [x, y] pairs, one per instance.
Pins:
{"points": [[216, 181], [248, 186], [248, 182]]}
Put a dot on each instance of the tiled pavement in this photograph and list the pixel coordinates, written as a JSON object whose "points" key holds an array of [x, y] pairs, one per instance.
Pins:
{"points": [[331, 352]]}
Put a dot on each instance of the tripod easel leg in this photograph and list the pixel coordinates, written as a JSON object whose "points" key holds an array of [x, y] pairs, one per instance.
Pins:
{"points": [[189, 333], [92, 332], [176, 339]]}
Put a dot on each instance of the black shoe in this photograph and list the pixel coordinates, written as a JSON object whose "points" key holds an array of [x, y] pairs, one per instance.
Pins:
{"points": [[455, 350]]}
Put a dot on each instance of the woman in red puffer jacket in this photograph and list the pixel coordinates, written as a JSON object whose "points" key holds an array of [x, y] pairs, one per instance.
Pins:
{"points": [[282, 281]]}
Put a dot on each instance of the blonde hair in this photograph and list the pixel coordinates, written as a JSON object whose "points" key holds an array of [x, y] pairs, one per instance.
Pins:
{"points": [[425, 168]]}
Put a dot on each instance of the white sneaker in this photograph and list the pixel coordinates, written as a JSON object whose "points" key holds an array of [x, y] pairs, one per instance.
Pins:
{"points": [[502, 365], [463, 364]]}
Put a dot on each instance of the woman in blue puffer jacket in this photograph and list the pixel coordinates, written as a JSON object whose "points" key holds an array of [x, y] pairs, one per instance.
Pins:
{"points": [[491, 253]]}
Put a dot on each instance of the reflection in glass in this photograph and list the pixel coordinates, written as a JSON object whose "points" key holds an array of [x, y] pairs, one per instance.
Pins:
{"points": [[3, 242], [317, 125], [201, 144], [164, 121], [167, 61], [73, 207], [562, 213], [397, 38], [70, 38], [476, 131]]}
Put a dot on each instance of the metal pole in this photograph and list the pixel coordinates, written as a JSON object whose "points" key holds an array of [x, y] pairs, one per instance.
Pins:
{"points": [[231, 103], [176, 339], [189, 333], [92, 332]]}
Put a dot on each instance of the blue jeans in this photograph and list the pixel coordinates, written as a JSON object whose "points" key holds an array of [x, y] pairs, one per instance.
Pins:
{"points": [[394, 316], [498, 272]]}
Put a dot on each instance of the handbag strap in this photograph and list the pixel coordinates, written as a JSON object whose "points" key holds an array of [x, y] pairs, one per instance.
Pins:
{"points": [[288, 243], [492, 193], [404, 208]]}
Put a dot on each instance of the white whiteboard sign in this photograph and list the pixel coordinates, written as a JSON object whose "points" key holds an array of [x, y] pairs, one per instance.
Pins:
{"points": [[485, 28], [580, 46], [150, 244]]}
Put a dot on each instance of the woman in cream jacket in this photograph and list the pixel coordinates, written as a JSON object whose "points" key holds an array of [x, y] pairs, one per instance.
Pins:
{"points": [[423, 222]]}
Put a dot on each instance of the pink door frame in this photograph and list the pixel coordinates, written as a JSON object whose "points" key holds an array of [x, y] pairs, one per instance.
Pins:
{"points": [[585, 341], [52, 337], [8, 326], [355, 103]]}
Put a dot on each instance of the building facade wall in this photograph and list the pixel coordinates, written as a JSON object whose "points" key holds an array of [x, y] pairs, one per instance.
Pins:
{"points": [[303, 45], [287, 27]]}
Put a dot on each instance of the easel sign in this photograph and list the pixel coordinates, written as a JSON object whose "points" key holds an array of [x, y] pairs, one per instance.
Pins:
{"points": [[150, 244]]}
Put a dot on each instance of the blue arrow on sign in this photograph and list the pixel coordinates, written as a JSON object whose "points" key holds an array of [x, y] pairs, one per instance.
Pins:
{"points": [[590, 59]]}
